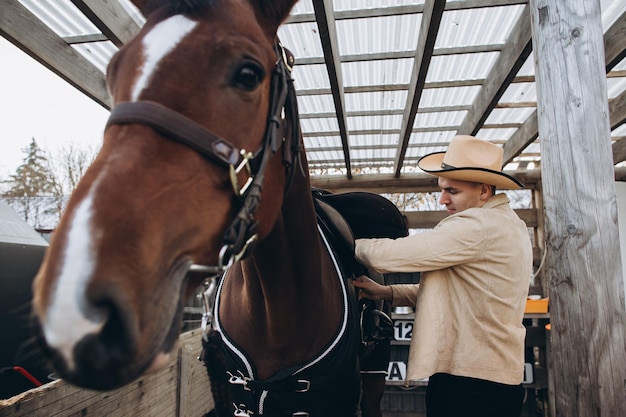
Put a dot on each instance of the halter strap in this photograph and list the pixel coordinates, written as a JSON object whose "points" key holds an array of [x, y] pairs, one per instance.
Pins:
{"points": [[176, 127], [282, 115]]}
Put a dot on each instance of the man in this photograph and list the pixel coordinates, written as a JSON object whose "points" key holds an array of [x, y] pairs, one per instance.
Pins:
{"points": [[468, 336]]}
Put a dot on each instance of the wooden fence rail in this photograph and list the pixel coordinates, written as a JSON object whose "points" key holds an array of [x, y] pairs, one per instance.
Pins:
{"points": [[181, 389]]}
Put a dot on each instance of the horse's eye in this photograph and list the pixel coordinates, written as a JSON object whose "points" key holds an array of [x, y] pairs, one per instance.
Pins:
{"points": [[248, 76]]}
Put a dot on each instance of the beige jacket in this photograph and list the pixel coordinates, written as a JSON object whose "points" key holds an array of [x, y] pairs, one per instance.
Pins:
{"points": [[476, 267]]}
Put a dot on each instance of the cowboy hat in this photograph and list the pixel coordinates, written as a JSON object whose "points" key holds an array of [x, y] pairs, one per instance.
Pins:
{"points": [[470, 159]]}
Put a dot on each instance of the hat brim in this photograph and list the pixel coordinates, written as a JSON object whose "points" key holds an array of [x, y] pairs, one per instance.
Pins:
{"points": [[431, 164]]}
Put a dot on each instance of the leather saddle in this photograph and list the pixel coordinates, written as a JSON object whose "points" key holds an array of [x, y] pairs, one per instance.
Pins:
{"points": [[355, 215]]}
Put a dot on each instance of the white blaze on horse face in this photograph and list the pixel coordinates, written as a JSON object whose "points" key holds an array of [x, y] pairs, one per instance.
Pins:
{"points": [[159, 42], [66, 322]]}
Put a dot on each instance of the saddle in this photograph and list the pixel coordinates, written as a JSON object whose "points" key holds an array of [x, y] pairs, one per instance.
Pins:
{"points": [[355, 215]]}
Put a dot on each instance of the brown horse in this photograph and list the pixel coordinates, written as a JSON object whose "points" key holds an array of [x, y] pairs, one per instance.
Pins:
{"points": [[201, 168]]}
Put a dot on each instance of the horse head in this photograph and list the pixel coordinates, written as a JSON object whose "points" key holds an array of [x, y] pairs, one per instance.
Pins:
{"points": [[191, 100]]}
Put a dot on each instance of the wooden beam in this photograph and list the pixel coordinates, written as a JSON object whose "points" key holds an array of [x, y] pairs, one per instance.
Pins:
{"points": [[524, 136], [428, 219], [615, 46], [23, 29], [617, 113], [111, 18], [431, 19], [617, 110], [583, 260], [615, 42], [384, 56], [514, 53], [324, 14], [413, 183], [410, 183], [403, 10]]}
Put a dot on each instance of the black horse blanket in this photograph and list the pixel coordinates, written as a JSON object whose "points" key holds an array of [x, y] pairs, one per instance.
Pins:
{"points": [[329, 384]]}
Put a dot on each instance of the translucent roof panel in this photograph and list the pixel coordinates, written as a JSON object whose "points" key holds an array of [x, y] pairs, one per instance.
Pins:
{"points": [[347, 5], [316, 104], [461, 66], [509, 115], [61, 16], [375, 49], [454, 96], [378, 34], [520, 93], [98, 53], [374, 122], [380, 72], [374, 140], [496, 135], [319, 125], [309, 77], [439, 119], [458, 27], [302, 39], [387, 100]]}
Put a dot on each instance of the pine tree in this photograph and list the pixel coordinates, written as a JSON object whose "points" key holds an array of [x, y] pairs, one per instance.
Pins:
{"points": [[32, 184]]}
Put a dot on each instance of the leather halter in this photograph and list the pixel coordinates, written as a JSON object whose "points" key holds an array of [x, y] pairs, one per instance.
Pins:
{"points": [[282, 117]]}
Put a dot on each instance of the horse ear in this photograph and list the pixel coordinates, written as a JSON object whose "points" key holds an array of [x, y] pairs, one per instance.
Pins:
{"points": [[273, 12], [143, 6]]}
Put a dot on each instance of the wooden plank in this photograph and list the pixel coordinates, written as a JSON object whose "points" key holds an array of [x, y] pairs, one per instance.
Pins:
{"points": [[194, 387], [583, 263], [20, 27], [429, 219], [615, 48], [154, 395], [324, 14], [615, 42], [522, 137], [111, 18], [431, 19]]}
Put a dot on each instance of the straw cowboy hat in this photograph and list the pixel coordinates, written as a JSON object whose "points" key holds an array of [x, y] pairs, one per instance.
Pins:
{"points": [[470, 159]]}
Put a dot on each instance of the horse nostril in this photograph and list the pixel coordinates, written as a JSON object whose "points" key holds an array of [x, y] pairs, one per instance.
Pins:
{"points": [[110, 348]]}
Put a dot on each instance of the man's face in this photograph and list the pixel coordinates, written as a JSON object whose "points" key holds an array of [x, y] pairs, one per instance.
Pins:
{"points": [[459, 195]]}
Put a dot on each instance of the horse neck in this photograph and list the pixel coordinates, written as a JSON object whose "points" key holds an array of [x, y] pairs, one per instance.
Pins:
{"points": [[291, 259], [288, 284]]}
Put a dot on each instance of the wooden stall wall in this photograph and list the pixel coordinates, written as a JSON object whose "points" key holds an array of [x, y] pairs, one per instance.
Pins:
{"points": [[180, 390]]}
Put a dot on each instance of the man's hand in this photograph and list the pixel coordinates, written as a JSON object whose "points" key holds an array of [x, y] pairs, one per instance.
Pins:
{"points": [[372, 290]]}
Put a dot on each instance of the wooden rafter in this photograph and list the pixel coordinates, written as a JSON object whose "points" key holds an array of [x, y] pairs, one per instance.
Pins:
{"points": [[431, 18], [31, 35], [328, 35]]}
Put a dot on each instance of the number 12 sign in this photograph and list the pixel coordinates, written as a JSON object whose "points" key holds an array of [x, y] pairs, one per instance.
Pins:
{"points": [[403, 330]]}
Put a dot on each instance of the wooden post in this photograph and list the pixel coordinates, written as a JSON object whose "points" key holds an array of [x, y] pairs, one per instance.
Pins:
{"points": [[583, 265]]}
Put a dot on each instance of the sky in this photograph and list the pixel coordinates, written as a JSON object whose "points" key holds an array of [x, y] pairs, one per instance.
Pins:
{"points": [[36, 103]]}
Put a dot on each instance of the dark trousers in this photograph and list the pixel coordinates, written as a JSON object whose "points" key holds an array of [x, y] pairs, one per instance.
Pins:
{"points": [[455, 396]]}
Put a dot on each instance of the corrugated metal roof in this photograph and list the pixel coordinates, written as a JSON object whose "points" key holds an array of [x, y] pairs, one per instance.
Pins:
{"points": [[377, 48]]}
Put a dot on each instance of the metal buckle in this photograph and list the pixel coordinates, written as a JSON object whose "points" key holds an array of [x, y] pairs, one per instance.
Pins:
{"points": [[220, 259], [307, 386], [234, 171], [239, 380], [208, 300], [240, 411]]}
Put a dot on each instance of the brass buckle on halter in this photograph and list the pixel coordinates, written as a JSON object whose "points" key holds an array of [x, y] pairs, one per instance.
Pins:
{"points": [[245, 163]]}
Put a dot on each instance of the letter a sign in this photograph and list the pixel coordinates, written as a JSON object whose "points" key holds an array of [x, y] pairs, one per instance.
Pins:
{"points": [[396, 371]]}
